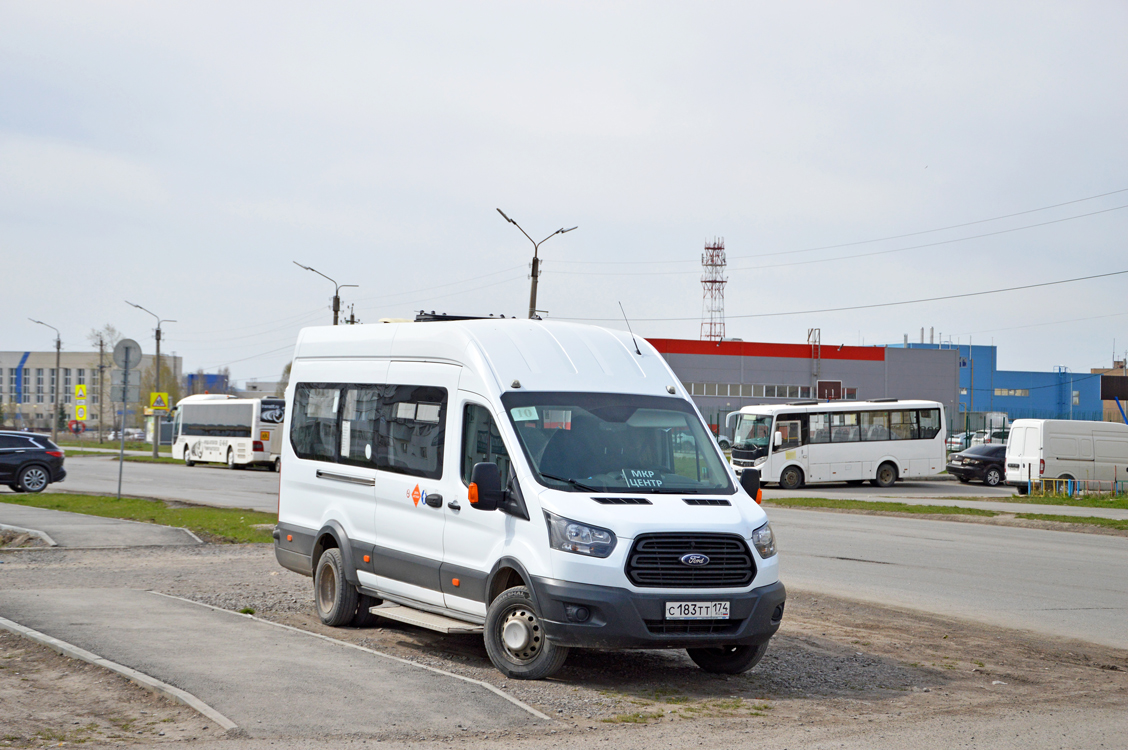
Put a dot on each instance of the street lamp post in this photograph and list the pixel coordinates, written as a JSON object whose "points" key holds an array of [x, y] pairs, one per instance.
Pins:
{"points": [[336, 292], [536, 260], [58, 377], [157, 416]]}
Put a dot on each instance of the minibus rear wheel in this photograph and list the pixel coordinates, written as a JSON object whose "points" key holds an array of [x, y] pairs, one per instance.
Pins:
{"points": [[727, 659], [515, 639], [334, 597]]}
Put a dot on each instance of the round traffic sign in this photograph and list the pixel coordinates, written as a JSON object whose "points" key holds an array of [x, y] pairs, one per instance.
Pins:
{"points": [[76, 427], [134, 350]]}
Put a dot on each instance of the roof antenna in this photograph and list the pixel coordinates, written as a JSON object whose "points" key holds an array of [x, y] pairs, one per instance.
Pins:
{"points": [[629, 329]]}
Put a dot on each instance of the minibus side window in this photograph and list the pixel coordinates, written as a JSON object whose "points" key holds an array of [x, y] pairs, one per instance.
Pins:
{"points": [[903, 425], [929, 423], [359, 416], [820, 428], [481, 442], [313, 427], [844, 427], [411, 430]]}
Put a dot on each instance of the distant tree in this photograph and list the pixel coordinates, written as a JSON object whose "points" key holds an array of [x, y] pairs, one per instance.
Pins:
{"points": [[283, 381], [225, 374], [169, 384], [107, 334]]}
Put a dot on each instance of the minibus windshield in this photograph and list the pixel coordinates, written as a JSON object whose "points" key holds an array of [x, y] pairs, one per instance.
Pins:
{"points": [[752, 431], [614, 442]]}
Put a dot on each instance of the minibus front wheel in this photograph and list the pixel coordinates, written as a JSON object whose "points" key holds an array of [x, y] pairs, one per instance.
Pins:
{"points": [[515, 638]]}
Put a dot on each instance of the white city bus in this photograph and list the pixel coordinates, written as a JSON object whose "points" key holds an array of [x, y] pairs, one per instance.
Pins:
{"points": [[882, 440], [225, 429]]}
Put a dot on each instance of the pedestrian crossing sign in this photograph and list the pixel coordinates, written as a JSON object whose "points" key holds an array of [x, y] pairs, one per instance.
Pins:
{"points": [[80, 392], [158, 401]]}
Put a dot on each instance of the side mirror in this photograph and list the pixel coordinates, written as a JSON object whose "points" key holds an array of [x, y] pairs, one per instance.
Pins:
{"points": [[778, 438], [485, 487], [750, 481]]}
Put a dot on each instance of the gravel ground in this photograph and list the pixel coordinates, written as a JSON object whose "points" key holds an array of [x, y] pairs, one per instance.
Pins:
{"points": [[834, 665]]}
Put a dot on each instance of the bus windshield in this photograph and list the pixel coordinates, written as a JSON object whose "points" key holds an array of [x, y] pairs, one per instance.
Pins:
{"points": [[613, 442], [752, 431]]}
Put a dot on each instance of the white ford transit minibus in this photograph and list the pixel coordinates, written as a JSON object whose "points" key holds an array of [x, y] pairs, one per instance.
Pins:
{"points": [[550, 485], [1066, 449]]}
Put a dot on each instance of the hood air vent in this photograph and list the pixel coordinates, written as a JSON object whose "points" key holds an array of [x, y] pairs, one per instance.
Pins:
{"points": [[704, 501], [622, 501]]}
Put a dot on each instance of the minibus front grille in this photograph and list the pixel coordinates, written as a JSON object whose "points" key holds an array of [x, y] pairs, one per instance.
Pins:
{"points": [[655, 561], [693, 627], [622, 501]]}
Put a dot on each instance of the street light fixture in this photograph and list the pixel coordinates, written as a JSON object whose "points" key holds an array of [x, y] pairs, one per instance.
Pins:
{"points": [[536, 260], [336, 292], [156, 417], [58, 377]]}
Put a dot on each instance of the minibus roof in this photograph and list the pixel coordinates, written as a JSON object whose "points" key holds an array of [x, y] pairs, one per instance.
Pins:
{"points": [[540, 355]]}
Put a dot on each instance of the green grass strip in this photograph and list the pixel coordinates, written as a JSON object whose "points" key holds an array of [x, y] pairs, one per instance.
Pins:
{"points": [[819, 502], [1081, 501], [1108, 523], [212, 524], [130, 445]]}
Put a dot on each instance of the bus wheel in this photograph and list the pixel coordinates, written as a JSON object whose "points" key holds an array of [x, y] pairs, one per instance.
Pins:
{"points": [[230, 459], [277, 465], [886, 475], [791, 478], [188, 457]]}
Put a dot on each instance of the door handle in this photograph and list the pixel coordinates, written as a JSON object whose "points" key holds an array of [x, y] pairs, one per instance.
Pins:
{"points": [[453, 505], [435, 500]]}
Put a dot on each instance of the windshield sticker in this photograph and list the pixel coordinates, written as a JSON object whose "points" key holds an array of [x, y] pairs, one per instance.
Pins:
{"points": [[524, 414], [558, 419], [428, 413], [642, 478]]}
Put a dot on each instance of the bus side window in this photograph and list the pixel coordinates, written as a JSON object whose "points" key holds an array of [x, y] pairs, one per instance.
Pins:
{"points": [[844, 427], [875, 425], [792, 435], [820, 428], [903, 425], [929, 423]]}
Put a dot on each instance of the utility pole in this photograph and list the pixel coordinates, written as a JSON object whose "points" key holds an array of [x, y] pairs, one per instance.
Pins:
{"points": [[58, 376], [101, 387], [336, 292], [157, 415], [536, 261]]}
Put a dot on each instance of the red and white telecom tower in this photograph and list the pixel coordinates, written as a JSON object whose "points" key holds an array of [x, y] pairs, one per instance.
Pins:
{"points": [[713, 288]]}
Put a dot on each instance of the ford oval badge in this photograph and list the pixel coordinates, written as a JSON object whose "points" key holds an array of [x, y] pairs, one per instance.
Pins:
{"points": [[694, 559]]}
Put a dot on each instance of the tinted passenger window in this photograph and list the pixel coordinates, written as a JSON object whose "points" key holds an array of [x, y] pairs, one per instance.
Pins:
{"points": [[844, 428], [410, 430], [929, 423], [820, 428], [313, 429], [359, 417], [903, 425], [875, 425], [481, 442], [9, 441]]}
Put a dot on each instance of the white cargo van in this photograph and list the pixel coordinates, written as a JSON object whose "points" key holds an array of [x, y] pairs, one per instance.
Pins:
{"points": [[550, 485], [1066, 449]]}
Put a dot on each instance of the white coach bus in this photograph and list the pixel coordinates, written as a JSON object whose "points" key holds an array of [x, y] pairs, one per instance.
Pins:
{"points": [[882, 440], [223, 429]]}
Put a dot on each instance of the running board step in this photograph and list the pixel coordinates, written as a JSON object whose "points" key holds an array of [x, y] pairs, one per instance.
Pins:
{"points": [[424, 619]]}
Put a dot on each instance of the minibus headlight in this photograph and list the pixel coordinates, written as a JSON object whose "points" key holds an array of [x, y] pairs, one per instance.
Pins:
{"points": [[580, 538], [764, 541]]}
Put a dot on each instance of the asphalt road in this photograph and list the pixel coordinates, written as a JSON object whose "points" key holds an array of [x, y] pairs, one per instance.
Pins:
{"points": [[1054, 582]]}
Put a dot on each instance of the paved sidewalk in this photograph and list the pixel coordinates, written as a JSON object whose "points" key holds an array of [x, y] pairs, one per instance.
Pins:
{"points": [[77, 530], [272, 682], [1118, 514]]}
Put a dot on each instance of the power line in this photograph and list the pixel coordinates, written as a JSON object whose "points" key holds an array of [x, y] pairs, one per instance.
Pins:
{"points": [[843, 257], [885, 304], [859, 242]]}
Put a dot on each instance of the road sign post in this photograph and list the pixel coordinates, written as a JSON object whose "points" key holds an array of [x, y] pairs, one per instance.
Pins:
{"points": [[127, 354]]}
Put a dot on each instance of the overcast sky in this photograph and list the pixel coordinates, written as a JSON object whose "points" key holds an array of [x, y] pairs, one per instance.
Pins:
{"points": [[182, 155]]}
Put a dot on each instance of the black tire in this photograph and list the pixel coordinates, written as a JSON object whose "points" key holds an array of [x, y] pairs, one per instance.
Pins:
{"points": [[14, 488], [333, 596], [964, 480], [527, 655], [791, 478], [1022, 489], [364, 617], [188, 456], [727, 659], [33, 478], [277, 465], [993, 477], [230, 459], [886, 475]]}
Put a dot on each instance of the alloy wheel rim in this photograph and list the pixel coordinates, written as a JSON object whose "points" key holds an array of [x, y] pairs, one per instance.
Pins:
{"points": [[35, 479]]}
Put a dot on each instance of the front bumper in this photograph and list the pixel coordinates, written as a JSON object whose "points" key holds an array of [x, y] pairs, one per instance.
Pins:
{"points": [[627, 619], [967, 472]]}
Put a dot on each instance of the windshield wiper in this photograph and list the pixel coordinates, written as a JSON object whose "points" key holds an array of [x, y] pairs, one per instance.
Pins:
{"points": [[574, 482]]}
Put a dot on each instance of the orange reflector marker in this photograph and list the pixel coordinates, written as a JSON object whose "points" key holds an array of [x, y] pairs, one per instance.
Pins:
{"points": [[759, 496], [289, 537], [455, 581], [367, 558], [473, 493]]}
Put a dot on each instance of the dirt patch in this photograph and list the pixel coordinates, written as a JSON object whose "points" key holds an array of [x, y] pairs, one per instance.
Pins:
{"points": [[19, 539], [49, 699], [835, 664]]}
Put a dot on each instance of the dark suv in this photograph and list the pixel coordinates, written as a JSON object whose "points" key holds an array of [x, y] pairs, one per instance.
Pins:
{"points": [[29, 462], [982, 462]]}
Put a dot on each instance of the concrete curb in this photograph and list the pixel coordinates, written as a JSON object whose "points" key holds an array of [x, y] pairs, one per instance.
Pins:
{"points": [[496, 690], [138, 678], [33, 532]]}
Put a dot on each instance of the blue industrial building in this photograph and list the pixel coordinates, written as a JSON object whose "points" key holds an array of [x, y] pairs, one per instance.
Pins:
{"points": [[1060, 394]]}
